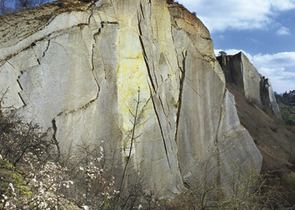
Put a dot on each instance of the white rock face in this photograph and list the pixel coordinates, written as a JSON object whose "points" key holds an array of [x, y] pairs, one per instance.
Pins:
{"points": [[82, 74]]}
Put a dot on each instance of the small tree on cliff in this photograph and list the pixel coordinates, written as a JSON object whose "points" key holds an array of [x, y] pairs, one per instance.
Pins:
{"points": [[21, 4], [222, 53], [3, 7]]}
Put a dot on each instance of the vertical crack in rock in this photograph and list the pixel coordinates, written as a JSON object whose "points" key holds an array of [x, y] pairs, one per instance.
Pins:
{"points": [[184, 54], [90, 17], [19, 94], [99, 31], [220, 116], [160, 126], [93, 72], [22, 89], [141, 9], [180, 92], [153, 86], [144, 55], [102, 60], [146, 63], [143, 49], [162, 105], [48, 44], [54, 137], [218, 181], [21, 98]]}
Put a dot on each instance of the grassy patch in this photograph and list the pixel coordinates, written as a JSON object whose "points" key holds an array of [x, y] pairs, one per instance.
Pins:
{"points": [[9, 175]]}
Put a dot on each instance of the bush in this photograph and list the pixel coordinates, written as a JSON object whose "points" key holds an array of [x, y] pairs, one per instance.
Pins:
{"points": [[35, 176]]}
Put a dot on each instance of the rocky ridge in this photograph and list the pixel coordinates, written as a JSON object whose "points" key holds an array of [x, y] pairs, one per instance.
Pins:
{"points": [[244, 76]]}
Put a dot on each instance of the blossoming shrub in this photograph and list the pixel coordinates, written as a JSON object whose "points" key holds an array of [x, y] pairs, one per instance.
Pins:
{"points": [[94, 187], [39, 181], [34, 175]]}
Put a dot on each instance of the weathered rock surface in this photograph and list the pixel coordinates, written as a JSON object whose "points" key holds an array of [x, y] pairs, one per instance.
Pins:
{"points": [[239, 71], [79, 75]]}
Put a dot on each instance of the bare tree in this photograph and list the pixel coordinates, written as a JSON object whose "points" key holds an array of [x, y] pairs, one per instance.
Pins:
{"points": [[39, 2], [222, 53], [21, 4], [3, 6]]}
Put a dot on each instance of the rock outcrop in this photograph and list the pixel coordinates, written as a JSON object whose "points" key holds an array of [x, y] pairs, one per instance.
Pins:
{"points": [[239, 71], [79, 71]]}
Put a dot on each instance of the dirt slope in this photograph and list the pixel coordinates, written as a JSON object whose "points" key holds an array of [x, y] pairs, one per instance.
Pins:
{"points": [[274, 140]]}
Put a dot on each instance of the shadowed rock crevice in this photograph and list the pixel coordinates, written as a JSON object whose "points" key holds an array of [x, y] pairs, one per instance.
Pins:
{"points": [[179, 101], [178, 106], [93, 72], [219, 167], [145, 58], [243, 76], [44, 53], [160, 126]]}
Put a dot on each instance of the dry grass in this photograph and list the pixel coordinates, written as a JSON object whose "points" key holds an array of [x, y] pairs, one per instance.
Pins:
{"points": [[270, 133], [276, 143], [23, 23]]}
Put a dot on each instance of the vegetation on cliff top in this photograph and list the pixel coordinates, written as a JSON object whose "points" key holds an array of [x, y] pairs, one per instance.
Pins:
{"points": [[286, 102]]}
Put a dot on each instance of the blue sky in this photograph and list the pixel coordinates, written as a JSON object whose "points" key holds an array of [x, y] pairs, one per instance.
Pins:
{"points": [[263, 29]]}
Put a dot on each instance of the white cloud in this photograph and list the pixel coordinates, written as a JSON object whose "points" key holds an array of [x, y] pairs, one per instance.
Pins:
{"points": [[283, 4], [281, 79], [282, 59], [279, 67], [243, 14], [283, 31]]}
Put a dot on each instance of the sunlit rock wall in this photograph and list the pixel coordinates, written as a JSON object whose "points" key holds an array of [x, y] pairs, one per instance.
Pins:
{"points": [[80, 73]]}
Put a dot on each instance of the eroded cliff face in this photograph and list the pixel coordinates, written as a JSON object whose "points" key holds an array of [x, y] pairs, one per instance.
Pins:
{"points": [[240, 71], [79, 73]]}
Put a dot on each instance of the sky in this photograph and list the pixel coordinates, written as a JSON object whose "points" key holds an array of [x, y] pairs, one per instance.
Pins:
{"points": [[263, 29]]}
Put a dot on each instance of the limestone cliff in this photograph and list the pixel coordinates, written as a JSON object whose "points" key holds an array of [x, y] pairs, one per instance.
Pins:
{"points": [[77, 71], [239, 71]]}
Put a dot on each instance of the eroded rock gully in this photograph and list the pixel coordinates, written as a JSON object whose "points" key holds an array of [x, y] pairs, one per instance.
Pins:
{"points": [[79, 74]]}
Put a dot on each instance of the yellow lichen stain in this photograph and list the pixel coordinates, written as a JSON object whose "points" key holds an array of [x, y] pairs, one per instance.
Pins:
{"points": [[131, 74], [139, 56], [125, 128]]}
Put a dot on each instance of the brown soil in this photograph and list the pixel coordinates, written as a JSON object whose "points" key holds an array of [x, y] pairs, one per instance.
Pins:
{"points": [[273, 138]]}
